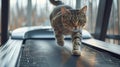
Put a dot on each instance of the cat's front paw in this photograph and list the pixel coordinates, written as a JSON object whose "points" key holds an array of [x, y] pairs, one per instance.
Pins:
{"points": [[76, 52], [60, 43]]}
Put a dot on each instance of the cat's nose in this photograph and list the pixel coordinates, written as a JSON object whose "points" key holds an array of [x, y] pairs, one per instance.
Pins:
{"points": [[76, 23], [74, 27]]}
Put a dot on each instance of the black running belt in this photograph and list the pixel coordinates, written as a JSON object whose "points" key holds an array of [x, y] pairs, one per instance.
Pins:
{"points": [[46, 53]]}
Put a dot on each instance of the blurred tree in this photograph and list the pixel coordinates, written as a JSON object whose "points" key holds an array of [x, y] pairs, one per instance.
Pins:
{"points": [[29, 13], [90, 23], [118, 4], [34, 14], [78, 4], [17, 16]]}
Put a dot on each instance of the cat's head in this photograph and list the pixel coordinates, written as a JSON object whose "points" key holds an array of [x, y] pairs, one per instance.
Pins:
{"points": [[75, 18]]}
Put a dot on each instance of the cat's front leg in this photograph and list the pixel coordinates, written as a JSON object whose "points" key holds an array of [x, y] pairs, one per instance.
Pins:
{"points": [[76, 41], [59, 38]]}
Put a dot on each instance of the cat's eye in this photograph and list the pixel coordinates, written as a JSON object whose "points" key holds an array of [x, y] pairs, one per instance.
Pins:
{"points": [[70, 17], [70, 21], [79, 21]]}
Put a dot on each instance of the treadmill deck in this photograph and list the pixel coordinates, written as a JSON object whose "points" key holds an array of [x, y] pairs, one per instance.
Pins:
{"points": [[46, 53]]}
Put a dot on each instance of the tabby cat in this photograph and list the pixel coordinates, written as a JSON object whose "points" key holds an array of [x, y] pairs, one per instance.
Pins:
{"points": [[68, 21]]}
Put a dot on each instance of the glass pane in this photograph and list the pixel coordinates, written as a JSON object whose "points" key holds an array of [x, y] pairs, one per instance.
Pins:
{"points": [[92, 14], [0, 22], [114, 23], [36, 12]]}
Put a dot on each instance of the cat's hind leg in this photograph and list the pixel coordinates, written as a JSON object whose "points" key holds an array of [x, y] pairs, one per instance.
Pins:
{"points": [[59, 38]]}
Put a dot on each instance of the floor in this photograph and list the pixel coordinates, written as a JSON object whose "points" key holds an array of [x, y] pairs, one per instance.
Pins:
{"points": [[46, 53]]}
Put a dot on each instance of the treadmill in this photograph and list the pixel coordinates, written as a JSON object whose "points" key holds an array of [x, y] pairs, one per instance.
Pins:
{"points": [[37, 47]]}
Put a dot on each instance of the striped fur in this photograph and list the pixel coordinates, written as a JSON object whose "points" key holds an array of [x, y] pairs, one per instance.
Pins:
{"points": [[67, 21]]}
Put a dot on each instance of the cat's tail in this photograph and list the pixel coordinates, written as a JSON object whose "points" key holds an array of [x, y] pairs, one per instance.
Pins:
{"points": [[56, 3]]}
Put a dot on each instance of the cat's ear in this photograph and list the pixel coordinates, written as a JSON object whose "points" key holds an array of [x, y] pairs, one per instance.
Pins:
{"points": [[84, 9], [64, 10]]}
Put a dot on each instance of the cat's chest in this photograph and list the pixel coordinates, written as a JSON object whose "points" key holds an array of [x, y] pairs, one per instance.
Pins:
{"points": [[66, 29]]}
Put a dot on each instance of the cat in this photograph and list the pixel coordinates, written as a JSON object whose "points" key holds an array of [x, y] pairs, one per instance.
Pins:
{"points": [[68, 21]]}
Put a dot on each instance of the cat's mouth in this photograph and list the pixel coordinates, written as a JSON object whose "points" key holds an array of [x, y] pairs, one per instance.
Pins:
{"points": [[77, 27]]}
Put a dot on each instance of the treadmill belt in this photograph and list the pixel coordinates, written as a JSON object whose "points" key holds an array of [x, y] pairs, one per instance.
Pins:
{"points": [[46, 53]]}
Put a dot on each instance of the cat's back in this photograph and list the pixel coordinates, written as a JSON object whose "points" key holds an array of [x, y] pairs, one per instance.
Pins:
{"points": [[58, 9]]}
